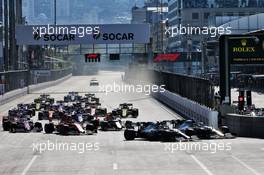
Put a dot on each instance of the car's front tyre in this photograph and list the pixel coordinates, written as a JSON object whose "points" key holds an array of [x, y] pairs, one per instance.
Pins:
{"points": [[129, 134]]}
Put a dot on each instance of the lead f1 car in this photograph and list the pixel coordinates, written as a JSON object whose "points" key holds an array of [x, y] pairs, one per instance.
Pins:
{"points": [[191, 128], [126, 110]]}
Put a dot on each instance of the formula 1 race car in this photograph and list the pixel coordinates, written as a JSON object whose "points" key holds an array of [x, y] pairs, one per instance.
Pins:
{"points": [[20, 124], [90, 99], [53, 111], [191, 128], [42, 101], [97, 111], [72, 97], [26, 109], [69, 126], [111, 123], [94, 82], [126, 110], [159, 131]]}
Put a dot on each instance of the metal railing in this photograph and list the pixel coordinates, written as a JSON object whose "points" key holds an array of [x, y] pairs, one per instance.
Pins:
{"points": [[11, 80], [194, 88]]}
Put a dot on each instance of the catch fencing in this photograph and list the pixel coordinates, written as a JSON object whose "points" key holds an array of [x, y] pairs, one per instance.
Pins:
{"points": [[196, 89], [12, 80]]}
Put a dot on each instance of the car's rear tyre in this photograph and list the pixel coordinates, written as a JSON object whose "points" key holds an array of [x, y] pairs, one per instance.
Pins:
{"points": [[135, 113], [40, 116], [38, 126], [129, 134], [6, 126], [49, 128], [90, 127], [129, 124], [63, 130]]}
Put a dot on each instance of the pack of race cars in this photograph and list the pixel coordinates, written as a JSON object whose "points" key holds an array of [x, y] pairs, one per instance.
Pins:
{"points": [[75, 114], [80, 115]]}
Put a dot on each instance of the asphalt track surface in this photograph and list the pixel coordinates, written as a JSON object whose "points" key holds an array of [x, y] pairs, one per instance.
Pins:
{"points": [[108, 152]]}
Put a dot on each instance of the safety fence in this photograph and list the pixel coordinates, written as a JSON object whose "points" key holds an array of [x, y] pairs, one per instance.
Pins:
{"points": [[194, 88], [12, 80], [9, 96]]}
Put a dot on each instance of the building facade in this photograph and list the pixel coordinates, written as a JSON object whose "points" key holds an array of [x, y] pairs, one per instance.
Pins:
{"points": [[10, 55], [154, 13], [1, 37], [205, 13]]}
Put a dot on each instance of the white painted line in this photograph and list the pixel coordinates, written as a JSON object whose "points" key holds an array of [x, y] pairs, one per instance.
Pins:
{"points": [[202, 165], [115, 167], [29, 165], [245, 165], [166, 109]]}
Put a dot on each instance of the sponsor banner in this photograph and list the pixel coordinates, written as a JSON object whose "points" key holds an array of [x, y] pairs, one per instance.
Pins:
{"points": [[178, 57], [82, 34], [45, 73], [167, 57], [246, 49]]}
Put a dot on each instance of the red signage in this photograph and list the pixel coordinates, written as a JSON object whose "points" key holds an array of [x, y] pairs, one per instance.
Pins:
{"points": [[92, 55], [167, 57]]}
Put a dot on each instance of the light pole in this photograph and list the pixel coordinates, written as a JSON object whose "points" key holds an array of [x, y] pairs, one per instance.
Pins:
{"points": [[189, 56], [55, 23], [6, 43], [55, 12]]}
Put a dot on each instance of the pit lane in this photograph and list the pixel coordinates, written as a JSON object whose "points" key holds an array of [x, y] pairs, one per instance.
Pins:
{"points": [[115, 155]]}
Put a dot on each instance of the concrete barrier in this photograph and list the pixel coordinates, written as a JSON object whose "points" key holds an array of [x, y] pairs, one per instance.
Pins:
{"points": [[245, 126], [188, 109], [185, 107], [7, 97]]}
